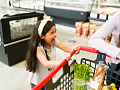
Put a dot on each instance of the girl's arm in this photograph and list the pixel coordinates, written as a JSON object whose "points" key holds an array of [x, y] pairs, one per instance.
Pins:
{"points": [[49, 64], [64, 47], [97, 39], [68, 48]]}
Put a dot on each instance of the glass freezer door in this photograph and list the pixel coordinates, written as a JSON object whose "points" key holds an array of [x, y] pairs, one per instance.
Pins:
{"points": [[22, 28]]}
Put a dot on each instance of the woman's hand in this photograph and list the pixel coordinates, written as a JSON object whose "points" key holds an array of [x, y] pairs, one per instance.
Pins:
{"points": [[67, 57], [77, 49]]}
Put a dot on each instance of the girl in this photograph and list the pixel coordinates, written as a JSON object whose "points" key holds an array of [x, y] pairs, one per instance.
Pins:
{"points": [[40, 59], [112, 49]]}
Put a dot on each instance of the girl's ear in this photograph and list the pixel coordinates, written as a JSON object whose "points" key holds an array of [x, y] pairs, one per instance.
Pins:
{"points": [[42, 37]]}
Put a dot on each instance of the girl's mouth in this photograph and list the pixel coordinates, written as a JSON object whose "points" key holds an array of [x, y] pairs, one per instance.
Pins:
{"points": [[53, 40]]}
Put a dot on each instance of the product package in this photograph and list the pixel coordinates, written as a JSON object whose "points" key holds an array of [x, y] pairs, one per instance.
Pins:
{"points": [[95, 83], [85, 29], [91, 30], [112, 34], [78, 26], [112, 86], [109, 38], [97, 27]]}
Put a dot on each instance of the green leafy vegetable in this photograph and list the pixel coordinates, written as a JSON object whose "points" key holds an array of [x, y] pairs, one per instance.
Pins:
{"points": [[82, 72]]}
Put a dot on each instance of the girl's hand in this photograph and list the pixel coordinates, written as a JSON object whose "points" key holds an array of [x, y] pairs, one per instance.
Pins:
{"points": [[77, 49], [67, 57]]}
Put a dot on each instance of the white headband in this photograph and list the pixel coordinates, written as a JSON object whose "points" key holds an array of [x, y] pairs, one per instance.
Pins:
{"points": [[42, 24]]}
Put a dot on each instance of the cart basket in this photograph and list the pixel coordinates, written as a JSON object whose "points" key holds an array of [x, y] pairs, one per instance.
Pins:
{"points": [[65, 82]]}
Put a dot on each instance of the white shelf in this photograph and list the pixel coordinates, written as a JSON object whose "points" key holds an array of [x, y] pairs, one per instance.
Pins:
{"points": [[110, 4]]}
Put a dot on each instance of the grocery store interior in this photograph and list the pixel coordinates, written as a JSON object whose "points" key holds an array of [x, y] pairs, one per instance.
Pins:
{"points": [[76, 21]]}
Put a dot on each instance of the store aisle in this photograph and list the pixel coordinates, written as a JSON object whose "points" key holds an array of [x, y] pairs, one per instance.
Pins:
{"points": [[15, 77]]}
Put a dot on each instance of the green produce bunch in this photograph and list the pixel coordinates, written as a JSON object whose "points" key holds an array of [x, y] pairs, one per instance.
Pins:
{"points": [[82, 73]]}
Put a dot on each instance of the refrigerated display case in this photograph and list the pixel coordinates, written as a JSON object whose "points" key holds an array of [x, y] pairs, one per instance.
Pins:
{"points": [[70, 9], [67, 12], [15, 31], [103, 11]]}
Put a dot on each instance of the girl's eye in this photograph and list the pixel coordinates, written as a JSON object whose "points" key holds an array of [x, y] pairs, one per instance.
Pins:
{"points": [[52, 32]]}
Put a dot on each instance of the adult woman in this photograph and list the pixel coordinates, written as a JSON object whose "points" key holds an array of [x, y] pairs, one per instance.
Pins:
{"points": [[113, 49]]}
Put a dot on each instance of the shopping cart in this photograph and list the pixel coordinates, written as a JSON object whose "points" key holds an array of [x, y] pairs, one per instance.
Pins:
{"points": [[65, 82]]}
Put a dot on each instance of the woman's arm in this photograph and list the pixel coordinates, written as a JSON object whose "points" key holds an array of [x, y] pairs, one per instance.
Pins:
{"points": [[49, 64], [97, 39]]}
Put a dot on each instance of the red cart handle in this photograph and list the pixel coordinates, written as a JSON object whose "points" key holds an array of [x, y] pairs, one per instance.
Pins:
{"points": [[49, 76], [88, 49], [93, 50]]}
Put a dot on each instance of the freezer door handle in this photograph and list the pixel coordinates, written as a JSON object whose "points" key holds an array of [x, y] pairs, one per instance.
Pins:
{"points": [[5, 45]]}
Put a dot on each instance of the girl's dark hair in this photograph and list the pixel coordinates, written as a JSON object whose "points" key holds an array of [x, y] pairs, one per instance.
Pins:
{"points": [[31, 58]]}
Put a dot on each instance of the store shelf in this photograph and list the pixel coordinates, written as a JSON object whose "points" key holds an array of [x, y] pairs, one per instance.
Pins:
{"points": [[117, 5], [102, 20]]}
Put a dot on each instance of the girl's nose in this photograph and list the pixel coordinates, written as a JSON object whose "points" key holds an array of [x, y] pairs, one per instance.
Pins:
{"points": [[55, 34]]}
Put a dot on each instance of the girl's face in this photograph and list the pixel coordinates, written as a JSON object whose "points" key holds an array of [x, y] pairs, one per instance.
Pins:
{"points": [[50, 36]]}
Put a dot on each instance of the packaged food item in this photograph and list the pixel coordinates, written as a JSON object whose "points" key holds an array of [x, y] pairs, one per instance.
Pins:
{"points": [[106, 10], [91, 30], [109, 38], [109, 11], [112, 34], [78, 26], [85, 29], [99, 10], [97, 27], [95, 83]]}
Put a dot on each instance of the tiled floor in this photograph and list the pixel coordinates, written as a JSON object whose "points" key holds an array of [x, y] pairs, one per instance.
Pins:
{"points": [[15, 77]]}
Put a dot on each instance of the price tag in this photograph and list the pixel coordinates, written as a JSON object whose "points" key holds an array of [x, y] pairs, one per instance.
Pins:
{"points": [[93, 15], [41, 8], [94, 84], [36, 8], [102, 16]]}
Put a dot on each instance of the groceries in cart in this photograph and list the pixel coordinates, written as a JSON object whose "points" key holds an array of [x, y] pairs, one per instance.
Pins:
{"points": [[82, 75], [96, 82], [110, 87], [98, 79]]}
